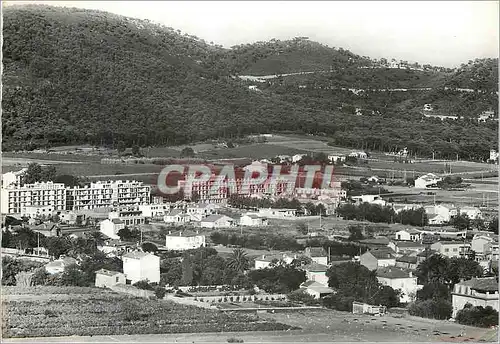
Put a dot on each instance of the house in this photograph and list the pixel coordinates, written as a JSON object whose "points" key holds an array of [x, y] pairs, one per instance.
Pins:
{"points": [[202, 209], [280, 213], [407, 262], [317, 254], [428, 107], [69, 217], [451, 248], [472, 212], [217, 221], [138, 266], [427, 180], [154, 210], [106, 278], [424, 255], [110, 228], [436, 220], [408, 235], [265, 261], [317, 290], [365, 198], [477, 292], [485, 247], [13, 178], [493, 156], [445, 212], [184, 240], [402, 207], [406, 247], [359, 155], [298, 157], [58, 265], [317, 272], [374, 179], [130, 216], [37, 211], [283, 158], [375, 259], [336, 158], [176, 217], [253, 220], [399, 279], [49, 229]]}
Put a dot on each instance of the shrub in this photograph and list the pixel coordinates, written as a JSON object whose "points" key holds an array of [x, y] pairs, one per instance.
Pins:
{"points": [[477, 316], [160, 292], [434, 309], [234, 340], [340, 303], [301, 296]]}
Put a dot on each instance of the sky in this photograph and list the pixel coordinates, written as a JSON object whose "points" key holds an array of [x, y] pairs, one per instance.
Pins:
{"points": [[444, 33]]}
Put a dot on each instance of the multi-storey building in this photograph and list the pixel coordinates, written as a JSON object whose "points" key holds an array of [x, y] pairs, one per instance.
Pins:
{"points": [[108, 194], [15, 198]]}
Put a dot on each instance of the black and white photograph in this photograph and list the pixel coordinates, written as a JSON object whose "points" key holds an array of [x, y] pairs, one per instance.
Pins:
{"points": [[249, 171]]}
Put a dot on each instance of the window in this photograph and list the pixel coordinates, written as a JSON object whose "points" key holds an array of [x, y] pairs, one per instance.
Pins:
{"points": [[455, 249], [116, 279], [446, 250]]}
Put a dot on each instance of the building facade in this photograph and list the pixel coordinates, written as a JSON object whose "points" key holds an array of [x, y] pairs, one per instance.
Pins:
{"points": [[15, 198], [477, 292], [139, 266]]}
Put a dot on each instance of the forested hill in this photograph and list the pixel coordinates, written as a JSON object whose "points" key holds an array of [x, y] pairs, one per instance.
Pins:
{"points": [[81, 76]]}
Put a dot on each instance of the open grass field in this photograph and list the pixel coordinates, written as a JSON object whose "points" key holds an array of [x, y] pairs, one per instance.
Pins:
{"points": [[69, 311]]}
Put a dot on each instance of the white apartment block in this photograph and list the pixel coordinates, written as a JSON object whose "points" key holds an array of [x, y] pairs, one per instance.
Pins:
{"points": [[15, 198], [103, 194]]}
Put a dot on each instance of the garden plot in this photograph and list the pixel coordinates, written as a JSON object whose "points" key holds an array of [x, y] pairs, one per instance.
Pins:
{"points": [[102, 312]]}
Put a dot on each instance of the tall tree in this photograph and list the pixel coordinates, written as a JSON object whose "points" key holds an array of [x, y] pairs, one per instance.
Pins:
{"points": [[238, 260]]}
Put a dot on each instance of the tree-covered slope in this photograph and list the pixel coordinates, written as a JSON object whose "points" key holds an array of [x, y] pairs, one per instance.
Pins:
{"points": [[79, 76]]}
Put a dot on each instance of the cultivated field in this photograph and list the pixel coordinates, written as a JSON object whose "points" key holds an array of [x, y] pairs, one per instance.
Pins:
{"points": [[315, 326], [67, 311]]}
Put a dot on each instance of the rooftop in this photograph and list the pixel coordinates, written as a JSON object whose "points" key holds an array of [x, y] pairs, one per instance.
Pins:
{"points": [[136, 255], [393, 272], [174, 212], [385, 253], [316, 267], [482, 284], [215, 217], [108, 272], [407, 244], [117, 221], [407, 259]]}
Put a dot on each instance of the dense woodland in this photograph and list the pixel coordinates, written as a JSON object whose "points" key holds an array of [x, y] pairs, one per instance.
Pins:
{"points": [[76, 76]]}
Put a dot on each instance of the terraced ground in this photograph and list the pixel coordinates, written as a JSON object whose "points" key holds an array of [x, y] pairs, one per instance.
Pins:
{"points": [[67, 311]]}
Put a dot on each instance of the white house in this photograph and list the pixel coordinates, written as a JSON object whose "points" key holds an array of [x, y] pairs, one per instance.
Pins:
{"points": [[68, 217], [130, 216], [177, 217], [106, 278], [472, 212], [298, 157], [37, 211], [334, 158], [399, 279], [444, 212], [154, 210], [317, 272], [184, 241], [138, 266], [451, 248], [366, 198], [280, 213], [110, 228], [264, 261], [217, 221], [58, 265], [317, 290], [477, 291], [408, 235], [483, 246], [493, 155], [13, 178], [359, 155], [203, 209], [253, 220], [427, 180]]}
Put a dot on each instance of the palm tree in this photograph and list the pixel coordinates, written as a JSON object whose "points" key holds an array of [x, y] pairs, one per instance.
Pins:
{"points": [[238, 260], [97, 238]]}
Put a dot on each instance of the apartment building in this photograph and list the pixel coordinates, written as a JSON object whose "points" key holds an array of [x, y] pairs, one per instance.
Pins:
{"points": [[103, 194], [14, 198]]}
